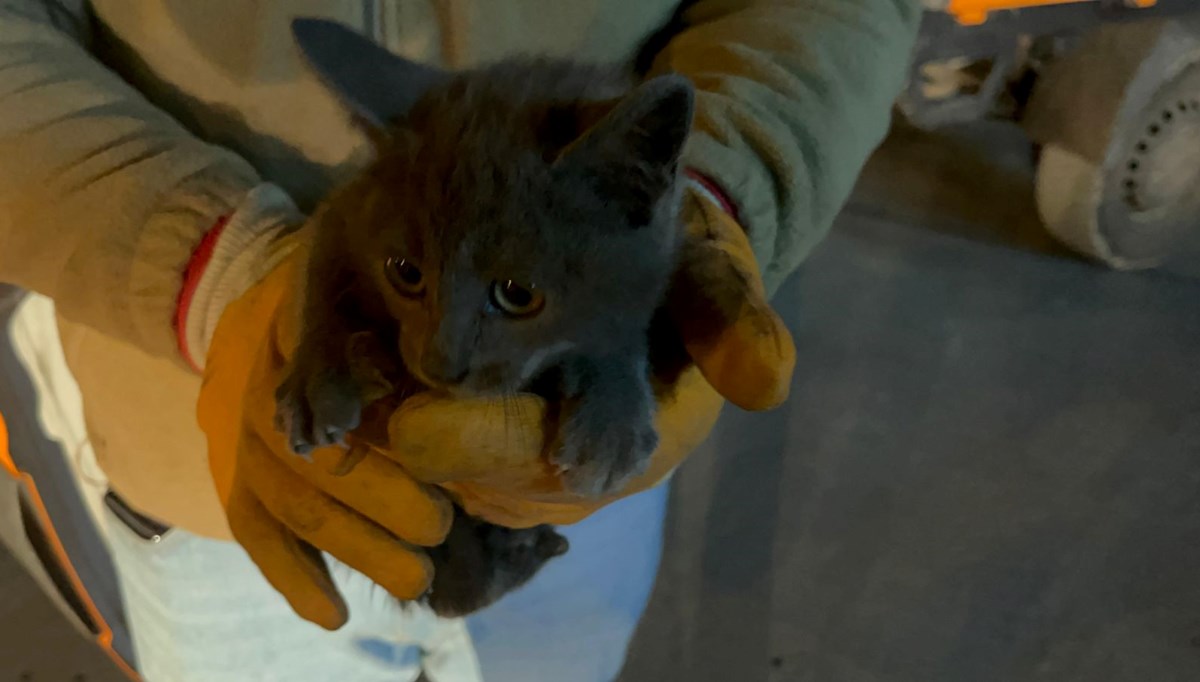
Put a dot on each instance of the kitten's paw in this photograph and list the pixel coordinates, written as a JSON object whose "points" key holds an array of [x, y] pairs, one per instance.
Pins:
{"points": [[599, 459], [479, 563], [316, 409]]}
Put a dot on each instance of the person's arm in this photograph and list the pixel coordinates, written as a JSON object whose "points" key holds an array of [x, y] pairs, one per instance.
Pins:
{"points": [[793, 95], [104, 198]]}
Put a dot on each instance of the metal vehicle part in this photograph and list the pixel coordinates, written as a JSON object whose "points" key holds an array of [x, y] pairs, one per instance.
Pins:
{"points": [[965, 68], [1109, 90], [1118, 121]]}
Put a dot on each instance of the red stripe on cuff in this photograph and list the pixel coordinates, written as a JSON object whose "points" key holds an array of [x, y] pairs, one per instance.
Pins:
{"points": [[191, 280], [714, 189]]}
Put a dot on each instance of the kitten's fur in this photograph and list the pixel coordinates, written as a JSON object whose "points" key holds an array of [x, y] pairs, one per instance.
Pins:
{"points": [[547, 173]]}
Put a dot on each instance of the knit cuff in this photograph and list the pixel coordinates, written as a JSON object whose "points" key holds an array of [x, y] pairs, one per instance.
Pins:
{"points": [[708, 189], [237, 252]]}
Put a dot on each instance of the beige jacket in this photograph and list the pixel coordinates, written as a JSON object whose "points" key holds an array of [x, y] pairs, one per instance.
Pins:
{"points": [[128, 127]]}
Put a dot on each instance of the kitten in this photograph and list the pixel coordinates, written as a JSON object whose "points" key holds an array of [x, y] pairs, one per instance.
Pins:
{"points": [[516, 231]]}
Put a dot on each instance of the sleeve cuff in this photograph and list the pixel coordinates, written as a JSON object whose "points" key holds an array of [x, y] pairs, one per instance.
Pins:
{"points": [[233, 255], [705, 187]]}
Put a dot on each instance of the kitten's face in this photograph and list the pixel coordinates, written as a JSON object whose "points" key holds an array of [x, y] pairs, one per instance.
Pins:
{"points": [[505, 270], [498, 255]]}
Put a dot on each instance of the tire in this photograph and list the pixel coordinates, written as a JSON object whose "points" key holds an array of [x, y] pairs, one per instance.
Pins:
{"points": [[1119, 124]]}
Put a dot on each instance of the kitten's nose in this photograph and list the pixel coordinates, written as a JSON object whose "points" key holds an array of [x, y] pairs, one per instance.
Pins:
{"points": [[439, 368]]}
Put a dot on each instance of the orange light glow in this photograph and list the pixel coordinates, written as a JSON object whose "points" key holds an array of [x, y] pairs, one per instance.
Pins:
{"points": [[975, 12]]}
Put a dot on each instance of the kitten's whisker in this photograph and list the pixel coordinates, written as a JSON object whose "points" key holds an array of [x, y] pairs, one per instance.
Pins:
{"points": [[520, 406], [514, 427], [506, 402], [343, 293]]}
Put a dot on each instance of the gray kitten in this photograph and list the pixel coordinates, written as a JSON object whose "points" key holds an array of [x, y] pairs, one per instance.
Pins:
{"points": [[516, 231]]}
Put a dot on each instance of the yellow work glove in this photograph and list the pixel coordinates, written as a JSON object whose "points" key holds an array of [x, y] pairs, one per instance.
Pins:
{"points": [[281, 508], [492, 458]]}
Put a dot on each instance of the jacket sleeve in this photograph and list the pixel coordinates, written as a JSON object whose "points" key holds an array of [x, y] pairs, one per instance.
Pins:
{"points": [[793, 95], [103, 197]]}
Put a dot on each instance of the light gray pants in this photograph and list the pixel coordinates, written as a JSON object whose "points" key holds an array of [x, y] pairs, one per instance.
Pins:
{"points": [[200, 610]]}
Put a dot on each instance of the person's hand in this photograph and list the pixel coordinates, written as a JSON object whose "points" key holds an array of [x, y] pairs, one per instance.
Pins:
{"points": [[285, 510], [491, 455]]}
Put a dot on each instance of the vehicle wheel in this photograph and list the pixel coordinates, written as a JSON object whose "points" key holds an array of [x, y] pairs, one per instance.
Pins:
{"points": [[1119, 124]]}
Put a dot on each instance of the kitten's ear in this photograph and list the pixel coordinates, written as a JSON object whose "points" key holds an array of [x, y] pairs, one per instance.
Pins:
{"points": [[633, 150], [377, 86]]}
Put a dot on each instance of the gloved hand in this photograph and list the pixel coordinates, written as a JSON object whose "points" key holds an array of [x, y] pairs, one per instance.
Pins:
{"points": [[490, 457], [376, 517], [281, 508]]}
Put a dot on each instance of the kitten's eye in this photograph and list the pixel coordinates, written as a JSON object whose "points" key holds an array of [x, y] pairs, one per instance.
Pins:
{"points": [[404, 276], [516, 300]]}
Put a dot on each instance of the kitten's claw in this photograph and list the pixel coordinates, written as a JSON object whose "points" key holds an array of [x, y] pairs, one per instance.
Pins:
{"points": [[316, 410], [599, 461]]}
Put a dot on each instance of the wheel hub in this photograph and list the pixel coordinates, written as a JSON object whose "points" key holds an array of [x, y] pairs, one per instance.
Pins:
{"points": [[1151, 196], [1162, 168]]}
